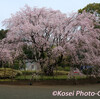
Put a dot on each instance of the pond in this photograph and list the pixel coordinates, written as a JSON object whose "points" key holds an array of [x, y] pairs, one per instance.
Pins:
{"points": [[45, 92]]}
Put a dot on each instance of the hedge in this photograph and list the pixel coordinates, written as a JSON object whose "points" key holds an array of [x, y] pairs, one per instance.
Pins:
{"points": [[9, 73]]}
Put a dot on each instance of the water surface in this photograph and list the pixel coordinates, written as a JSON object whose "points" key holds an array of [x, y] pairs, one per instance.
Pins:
{"points": [[45, 92]]}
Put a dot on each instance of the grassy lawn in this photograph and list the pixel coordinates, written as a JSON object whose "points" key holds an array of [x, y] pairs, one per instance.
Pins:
{"points": [[58, 77]]}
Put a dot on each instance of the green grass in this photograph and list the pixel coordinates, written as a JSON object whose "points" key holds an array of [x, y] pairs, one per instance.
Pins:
{"points": [[28, 77], [80, 77], [58, 77], [22, 77], [2, 80]]}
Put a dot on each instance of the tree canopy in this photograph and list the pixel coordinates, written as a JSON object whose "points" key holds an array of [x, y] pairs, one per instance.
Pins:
{"points": [[91, 8]]}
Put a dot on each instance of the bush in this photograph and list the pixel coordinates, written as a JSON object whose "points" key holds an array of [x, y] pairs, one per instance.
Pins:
{"points": [[7, 73], [60, 68], [61, 73], [87, 71], [67, 68], [63, 68], [28, 72]]}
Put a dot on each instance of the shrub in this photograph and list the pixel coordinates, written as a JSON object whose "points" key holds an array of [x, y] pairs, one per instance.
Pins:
{"points": [[61, 73], [67, 68], [60, 68], [87, 71], [28, 72], [63, 68], [7, 73]]}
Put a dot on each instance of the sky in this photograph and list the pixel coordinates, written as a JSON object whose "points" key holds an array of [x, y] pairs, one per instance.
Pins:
{"points": [[8, 7]]}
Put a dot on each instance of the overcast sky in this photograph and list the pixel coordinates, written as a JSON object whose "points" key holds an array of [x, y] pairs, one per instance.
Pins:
{"points": [[8, 7]]}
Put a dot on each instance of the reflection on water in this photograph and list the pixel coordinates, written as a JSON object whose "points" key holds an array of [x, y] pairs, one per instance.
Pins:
{"points": [[44, 92]]}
